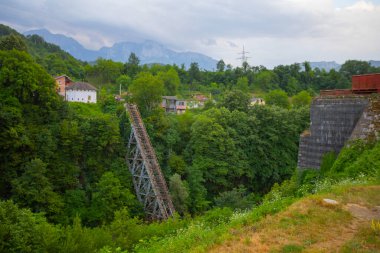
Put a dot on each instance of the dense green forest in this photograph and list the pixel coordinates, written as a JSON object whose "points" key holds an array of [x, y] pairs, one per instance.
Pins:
{"points": [[64, 184]]}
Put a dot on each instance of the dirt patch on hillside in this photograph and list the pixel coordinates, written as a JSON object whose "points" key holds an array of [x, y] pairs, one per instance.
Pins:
{"points": [[362, 212], [310, 225]]}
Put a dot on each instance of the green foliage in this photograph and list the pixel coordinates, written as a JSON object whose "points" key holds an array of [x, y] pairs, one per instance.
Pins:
{"points": [[177, 164], [81, 239], [180, 193], [220, 65], [354, 67], [147, 91], [236, 100], [327, 162], [217, 216], [171, 81], [67, 160], [53, 59], [108, 197], [12, 41], [289, 248], [25, 80], [302, 98], [359, 158], [278, 98], [235, 199], [104, 71], [131, 68], [242, 84], [6, 30], [124, 81], [194, 73], [23, 231], [33, 189], [266, 80]]}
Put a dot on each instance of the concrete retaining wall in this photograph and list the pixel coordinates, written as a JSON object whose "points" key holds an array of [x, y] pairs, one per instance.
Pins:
{"points": [[333, 120]]}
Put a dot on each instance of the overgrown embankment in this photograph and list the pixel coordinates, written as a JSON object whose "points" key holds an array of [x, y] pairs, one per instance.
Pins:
{"points": [[308, 224], [314, 225]]}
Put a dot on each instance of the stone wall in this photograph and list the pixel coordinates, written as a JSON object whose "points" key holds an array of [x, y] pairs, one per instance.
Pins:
{"points": [[333, 120], [368, 126]]}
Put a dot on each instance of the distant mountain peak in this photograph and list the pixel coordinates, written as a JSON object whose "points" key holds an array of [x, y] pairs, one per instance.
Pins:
{"points": [[148, 51], [326, 65]]}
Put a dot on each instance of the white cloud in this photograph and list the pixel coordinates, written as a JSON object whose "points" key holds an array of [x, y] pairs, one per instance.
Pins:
{"points": [[275, 32]]}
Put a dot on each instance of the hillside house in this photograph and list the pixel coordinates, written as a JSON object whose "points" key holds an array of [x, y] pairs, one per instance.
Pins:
{"points": [[198, 101], [81, 92], [257, 101], [62, 82], [173, 104]]}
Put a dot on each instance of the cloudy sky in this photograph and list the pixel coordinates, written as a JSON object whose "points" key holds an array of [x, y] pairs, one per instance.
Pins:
{"points": [[273, 32]]}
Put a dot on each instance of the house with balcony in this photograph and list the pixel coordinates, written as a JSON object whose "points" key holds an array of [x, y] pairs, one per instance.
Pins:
{"points": [[257, 101], [173, 104]]}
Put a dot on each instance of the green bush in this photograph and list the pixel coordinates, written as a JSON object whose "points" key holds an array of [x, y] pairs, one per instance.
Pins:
{"points": [[359, 158], [328, 161], [23, 231], [217, 216]]}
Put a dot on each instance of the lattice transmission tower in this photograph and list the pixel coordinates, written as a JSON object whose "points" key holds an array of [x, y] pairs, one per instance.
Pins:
{"points": [[148, 180], [243, 57]]}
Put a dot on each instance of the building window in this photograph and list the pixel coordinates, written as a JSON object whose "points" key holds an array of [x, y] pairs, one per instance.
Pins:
{"points": [[89, 98]]}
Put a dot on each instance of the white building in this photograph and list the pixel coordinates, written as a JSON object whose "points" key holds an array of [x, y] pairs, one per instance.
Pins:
{"points": [[81, 92]]}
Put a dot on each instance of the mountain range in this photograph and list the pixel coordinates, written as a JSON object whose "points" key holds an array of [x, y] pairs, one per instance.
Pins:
{"points": [[328, 65], [148, 51]]}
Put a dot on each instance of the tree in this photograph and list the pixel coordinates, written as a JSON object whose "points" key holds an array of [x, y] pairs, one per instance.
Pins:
{"points": [[179, 193], [292, 86], [220, 65], [171, 81], [214, 150], [23, 231], [302, 98], [124, 81], [13, 41], [266, 80], [34, 190], [236, 199], [131, 68], [236, 100], [108, 197], [105, 71], [194, 72], [242, 84], [27, 81], [245, 66], [278, 98], [354, 67], [147, 91], [177, 164]]}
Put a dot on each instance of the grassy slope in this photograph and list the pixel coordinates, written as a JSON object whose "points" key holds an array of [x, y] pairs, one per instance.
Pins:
{"points": [[311, 225]]}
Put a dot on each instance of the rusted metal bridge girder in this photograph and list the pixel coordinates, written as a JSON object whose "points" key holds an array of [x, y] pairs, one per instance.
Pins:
{"points": [[148, 180]]}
